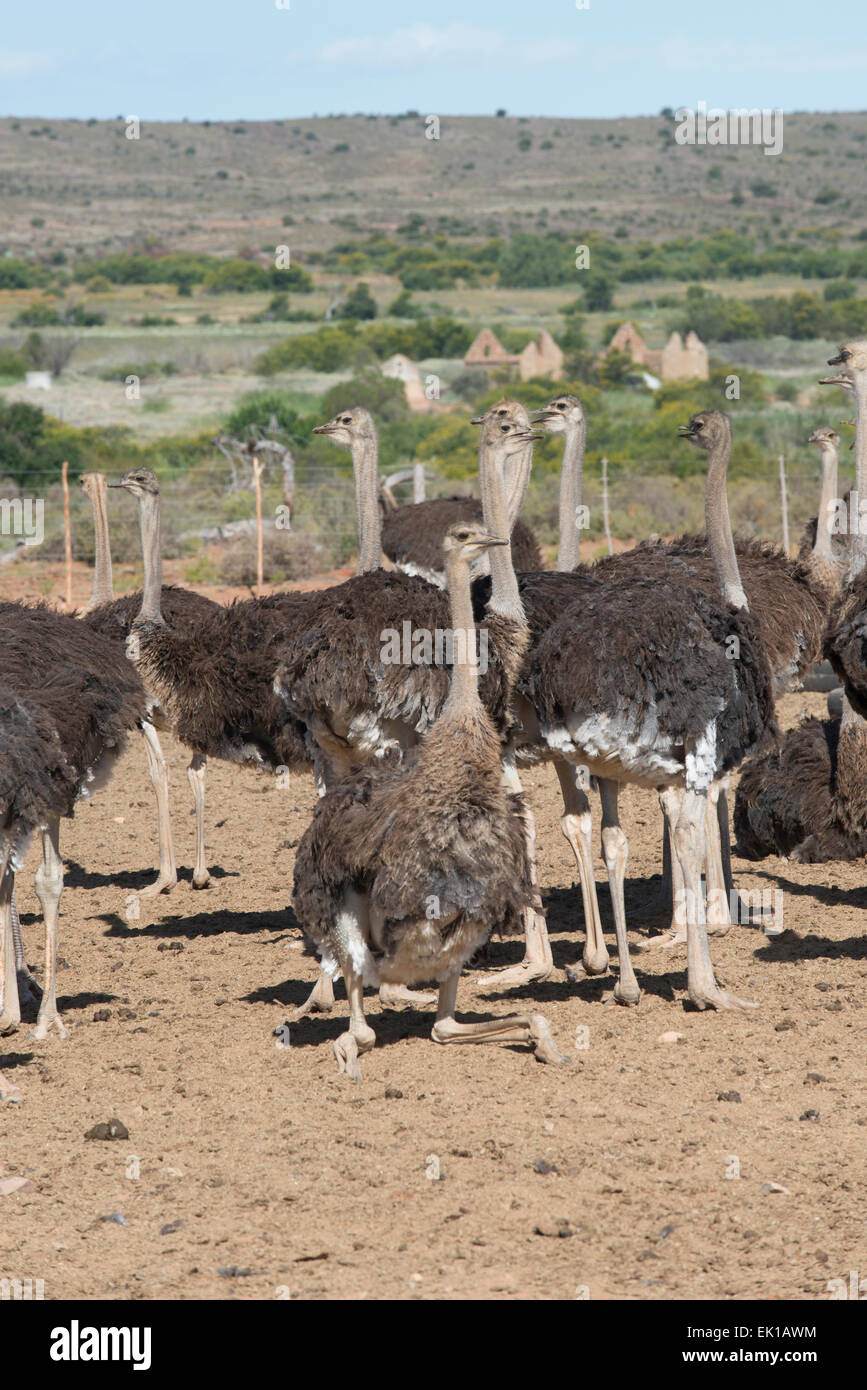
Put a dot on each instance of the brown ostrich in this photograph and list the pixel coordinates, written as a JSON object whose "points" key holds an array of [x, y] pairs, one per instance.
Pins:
{"points": [[660, 703], [113, 618], [68, 700], [846, 638], [408, 867], [823, 548]]}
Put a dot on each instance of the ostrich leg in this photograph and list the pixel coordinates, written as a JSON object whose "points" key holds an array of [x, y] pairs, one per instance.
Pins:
{"points": [[196, 775], [158, 772], [615, 850], [717, 915], [689, 844], [351, 929], [8, 983], [577, 825], [49, 886], [10, 1008], [670, 800], [538, 961], [529, 1028], [28, 990]]}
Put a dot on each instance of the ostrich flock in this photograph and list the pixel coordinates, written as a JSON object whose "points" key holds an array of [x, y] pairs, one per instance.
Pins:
{"points": [[415, 692]]}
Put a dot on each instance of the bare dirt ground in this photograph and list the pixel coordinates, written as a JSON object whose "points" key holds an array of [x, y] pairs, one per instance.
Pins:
{"points": [[257, 1172]]}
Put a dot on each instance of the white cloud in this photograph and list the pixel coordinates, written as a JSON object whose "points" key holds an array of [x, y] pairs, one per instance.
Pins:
{"points": [[683, 53], [13, 65], [449, 43]]}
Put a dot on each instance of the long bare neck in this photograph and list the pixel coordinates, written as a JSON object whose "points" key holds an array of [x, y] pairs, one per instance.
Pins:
{"points": [[825, 520], [151, 544], [517, 481], [719, 528], [571, 479], [859, 545], [505, 598], [103, 587], [365, 463], [463, 703]]}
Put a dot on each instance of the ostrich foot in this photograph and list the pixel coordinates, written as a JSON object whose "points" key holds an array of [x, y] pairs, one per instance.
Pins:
{"points": [[163, 884], [676, 937], [8, 1089], [8, 1023], [595, 961], [391, 995], [201, 880], [527, 972], [347, 1048], [45, 1024], [712, 997], [628, 994], [543, 1043], [320, 1000]]}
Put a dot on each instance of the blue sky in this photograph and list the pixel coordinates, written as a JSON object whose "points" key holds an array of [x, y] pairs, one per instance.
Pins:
{"points": [[222, 59]]}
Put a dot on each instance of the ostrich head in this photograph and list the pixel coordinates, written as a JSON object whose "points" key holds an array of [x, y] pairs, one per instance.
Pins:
{"points": [[852, 361], [506, 429], [560, 415], [469, 540], [825, 438], [707, 429], [139, 481], [350, 427], [91, 483], [501, 408]]}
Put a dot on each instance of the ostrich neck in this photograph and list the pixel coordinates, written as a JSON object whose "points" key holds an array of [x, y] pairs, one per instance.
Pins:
{"points": [[365, 462], [571, 476], [859, 548], [719, 529], [827, 500], [103, 587], [517, 481], [462, 702], [505, 598], [151, 544]]}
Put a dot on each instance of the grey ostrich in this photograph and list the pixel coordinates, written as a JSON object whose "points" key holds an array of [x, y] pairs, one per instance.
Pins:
{"points": [[677, 692], [408, 867], [68, 700], [823, 548], [789, 602], [846, 638], [113, 618], [360, 701]]}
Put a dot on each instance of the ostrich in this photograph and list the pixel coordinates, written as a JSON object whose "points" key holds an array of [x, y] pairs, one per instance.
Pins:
{"points": [[412, 537], [677, 693], [340, 677], [789, 602], [408, 867], [113, 618], [823, 549], [807, 798], [68, 700], [846, 638]]}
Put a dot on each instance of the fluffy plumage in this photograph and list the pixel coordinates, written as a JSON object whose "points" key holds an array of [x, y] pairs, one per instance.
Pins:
{"points": [[846, 641], [807, 797], [413, 535]]}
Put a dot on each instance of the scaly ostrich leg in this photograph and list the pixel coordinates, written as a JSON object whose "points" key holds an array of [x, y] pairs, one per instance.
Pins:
{"points": [[10, 1009], [576, 823], [196, 775], [28, 990], [689, 838], [159, 775], [49, 886], [531, 1028], [615, 849]]}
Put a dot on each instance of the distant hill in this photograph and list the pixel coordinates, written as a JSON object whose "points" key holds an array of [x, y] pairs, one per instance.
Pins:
{"points": [[83, 187]]}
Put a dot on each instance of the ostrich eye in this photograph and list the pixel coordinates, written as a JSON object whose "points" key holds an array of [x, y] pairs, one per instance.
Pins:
{"points": [[463, 535], [347, 420], [561, 405]]}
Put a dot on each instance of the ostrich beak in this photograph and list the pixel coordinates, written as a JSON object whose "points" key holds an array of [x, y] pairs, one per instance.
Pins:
{"points": [[686, 431], [529, 435], [492, 540], [323, 429], [838, 380], [477, 420], [540, 416]]}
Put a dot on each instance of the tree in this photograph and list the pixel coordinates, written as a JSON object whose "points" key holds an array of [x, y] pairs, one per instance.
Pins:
{"points": [[598, 290], [358, 304]]}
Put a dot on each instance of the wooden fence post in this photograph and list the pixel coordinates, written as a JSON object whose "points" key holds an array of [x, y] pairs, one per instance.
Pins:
{"points": [[67, 532], [257, 482]]}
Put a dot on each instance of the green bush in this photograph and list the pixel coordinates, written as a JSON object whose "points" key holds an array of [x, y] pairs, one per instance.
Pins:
{"points": [[236, 276], [12, 364], [358, 304], [383, 396]]}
